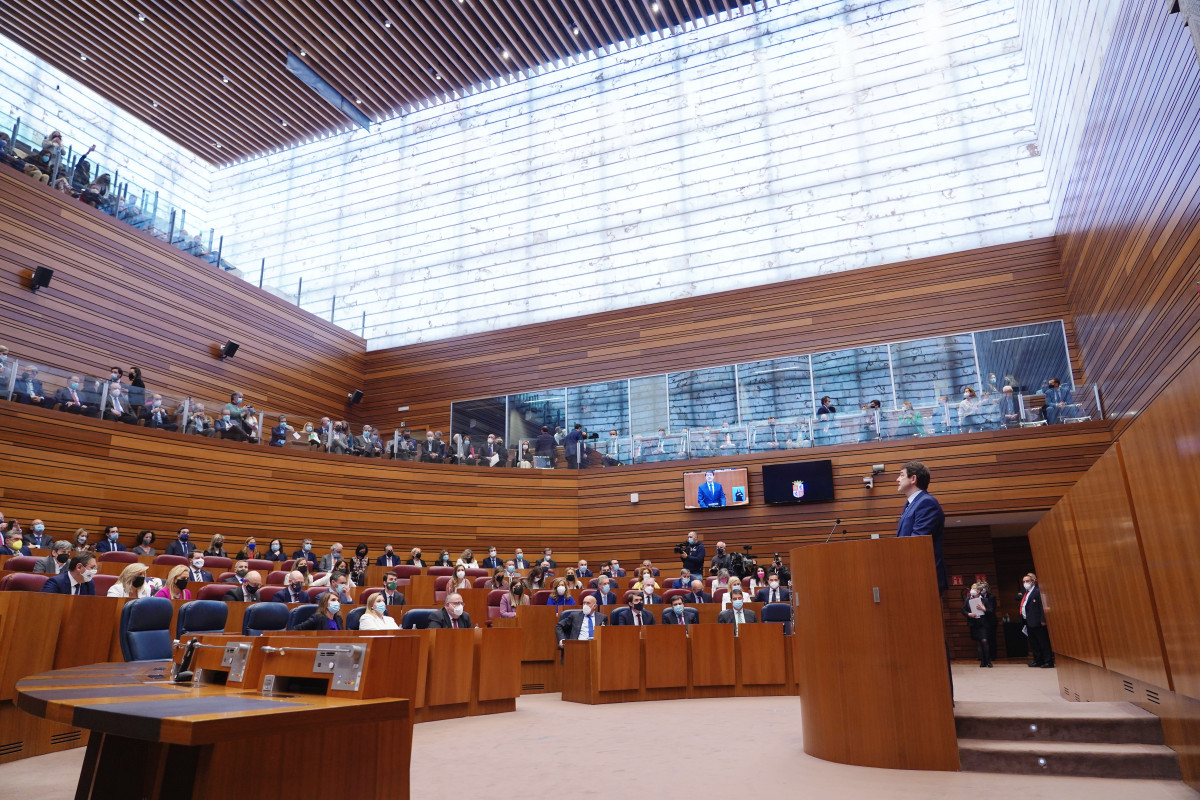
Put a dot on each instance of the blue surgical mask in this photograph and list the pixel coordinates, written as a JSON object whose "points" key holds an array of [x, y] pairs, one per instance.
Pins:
{"points": [[737, 604], [74, 384], [251, 547], [183, 537], [39, 528], [335, 606], [307, 547], [381, 608], [112, 537]]}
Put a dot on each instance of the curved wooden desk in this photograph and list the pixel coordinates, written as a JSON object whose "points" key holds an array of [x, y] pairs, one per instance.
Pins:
{"points": [[154, 739]]}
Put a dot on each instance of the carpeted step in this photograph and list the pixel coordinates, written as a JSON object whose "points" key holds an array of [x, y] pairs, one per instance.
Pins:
{"points": [[1070, 758], [1112, 723]]}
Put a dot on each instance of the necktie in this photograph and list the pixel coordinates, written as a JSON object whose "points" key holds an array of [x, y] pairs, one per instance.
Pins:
{"points": [[453, 623], [637, 618], [591, 627], [679, 616], [774, 595], [74, 397], [116, 405], [77, 587]]}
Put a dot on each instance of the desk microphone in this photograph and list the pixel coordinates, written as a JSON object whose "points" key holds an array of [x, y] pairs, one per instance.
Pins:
{"points": [[836, 522]]}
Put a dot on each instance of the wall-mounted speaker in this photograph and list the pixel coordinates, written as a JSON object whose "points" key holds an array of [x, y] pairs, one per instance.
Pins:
{"points": [[228, 349], [355, 397], [41, 278]]}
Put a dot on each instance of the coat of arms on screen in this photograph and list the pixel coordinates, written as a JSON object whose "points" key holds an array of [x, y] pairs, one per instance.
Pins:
{"points": [[797, 488]]}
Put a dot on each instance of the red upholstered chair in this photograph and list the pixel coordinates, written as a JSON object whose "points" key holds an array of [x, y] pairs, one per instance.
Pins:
{"points": [[406, 571], [104, 583], [476, 573], [439, 588], [261, 564], [277, 578], [316, 575], [629, 583], [122, 556], [719, 593], [440, 571], [541, 597], [217, 562], [169, 561], [213, 591], [316, 591], [669, 594], [480, 582], [23, 582], [625, 597], [21, 563], [267, 593], [287, 565], [221, 578]]}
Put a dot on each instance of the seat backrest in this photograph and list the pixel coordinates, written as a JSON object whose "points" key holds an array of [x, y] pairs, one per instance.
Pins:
{"points": [[778, 612], [717, 595], [494, 597], [217, 562], [406, 571], [261, 564], [287, 565], [213, 591], [299, 614], [267, 593], [479, 572], [629, 583], [104, 583], [165, 560], [440, 571], [354, 616], [316, 591], [277, 578], [145, 631], [225, 575], [123, 556], [201, 616], [480, 583], [21, 563], [417, 618], [23, 582], [264, 617], [440, 583], [541, 597], [672, 593], [625, 597]]}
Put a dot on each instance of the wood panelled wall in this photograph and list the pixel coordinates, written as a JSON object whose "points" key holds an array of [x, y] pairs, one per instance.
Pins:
{"points": [[1130, 227], [121, 297], [985, 288]]}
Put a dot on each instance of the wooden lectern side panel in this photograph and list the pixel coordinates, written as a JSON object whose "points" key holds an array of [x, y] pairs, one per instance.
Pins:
{"points": [[620, 654], [498, 670], [666, 656], [88, 626], [537, 626], [451, 667], [713, 660], [761, 656], [874, 676], [579, 667]]}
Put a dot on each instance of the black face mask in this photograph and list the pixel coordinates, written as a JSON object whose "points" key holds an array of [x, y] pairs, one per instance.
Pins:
{"points": [[637, 606], [417, 554], [62, 558], [518, 590], [362, 552], [297, 587], [181, 584], [302, 567], [138, 581]]}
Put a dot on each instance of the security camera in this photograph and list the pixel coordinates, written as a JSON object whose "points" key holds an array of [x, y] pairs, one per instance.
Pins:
{"points": [[877, 469], [869, 481]]}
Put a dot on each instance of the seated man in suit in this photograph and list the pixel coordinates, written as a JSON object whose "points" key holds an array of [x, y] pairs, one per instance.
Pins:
{"points": [[28, 389], [197, 572], [156, 415], [56, 562], [735, 614], [389, 557], [614, 569], [582, 569], [241, 568], [650, 594], [71, 398], [710, 494], [603, 593], [679, 614], [580, 624], [13, 545], [200, 423], [697, 594], [451, 615], [307, 554], [772, 593], [227, 427], [493, 454], [391, 594], [519, 560], [76, 578], [547, 559], [109, 541], [432, 451], [248, 591], [332, 557], [633, 613], [294, 591], [37, 536], [117, 407], [181, 546], [492, 561], [684, 581]]}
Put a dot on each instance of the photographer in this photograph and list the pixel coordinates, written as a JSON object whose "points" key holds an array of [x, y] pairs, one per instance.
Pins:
{"points": [[720, 561], [691, 553]]}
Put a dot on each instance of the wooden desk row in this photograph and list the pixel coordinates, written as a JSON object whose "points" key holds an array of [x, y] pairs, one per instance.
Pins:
{"points": [[669, 662]]}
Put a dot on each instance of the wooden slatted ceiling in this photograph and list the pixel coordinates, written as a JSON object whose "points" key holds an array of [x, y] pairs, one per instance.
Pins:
{"points": [[167, 63]]}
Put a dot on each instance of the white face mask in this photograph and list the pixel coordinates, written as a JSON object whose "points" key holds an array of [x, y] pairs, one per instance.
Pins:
{"points": [[198, 564], [562, 590], [587, 611], [88, 574], [455, 611], [1027, 585], [461, 574], [774, 584], [974, 593]]}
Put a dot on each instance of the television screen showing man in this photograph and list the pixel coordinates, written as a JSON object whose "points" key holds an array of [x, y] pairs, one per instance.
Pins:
{"points": [[711, 494]]}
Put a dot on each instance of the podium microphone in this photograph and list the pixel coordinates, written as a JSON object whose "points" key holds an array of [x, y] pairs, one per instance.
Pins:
{"points": [[836, 522]]}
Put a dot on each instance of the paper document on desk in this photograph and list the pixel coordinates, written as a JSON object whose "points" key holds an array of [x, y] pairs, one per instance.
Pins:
{"points": [[495, 459], [977, 607]]}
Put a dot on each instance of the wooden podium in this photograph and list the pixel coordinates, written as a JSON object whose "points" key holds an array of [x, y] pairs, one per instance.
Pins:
{"points": [[873, 670]]}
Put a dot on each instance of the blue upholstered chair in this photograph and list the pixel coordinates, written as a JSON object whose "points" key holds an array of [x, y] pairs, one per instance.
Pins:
{"points": [[417, 618], [299, 614], [201, 616], [778, 612], [146, 629], [264, 617]]}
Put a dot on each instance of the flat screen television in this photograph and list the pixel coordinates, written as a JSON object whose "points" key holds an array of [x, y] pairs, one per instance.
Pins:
{"points": [[798, 482], [731, 487]]}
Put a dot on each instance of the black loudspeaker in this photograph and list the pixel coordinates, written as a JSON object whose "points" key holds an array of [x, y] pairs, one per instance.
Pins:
{"points": [[41, 277], [355, 397], [228, 349]]}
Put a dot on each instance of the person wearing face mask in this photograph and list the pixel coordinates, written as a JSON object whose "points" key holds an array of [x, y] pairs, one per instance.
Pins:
{"points": [[415, 559], [358, 565], [580, 624], [12, 545], [216, 546], [294, 591], [228, 426], [467, 559], [573, 580], [56, 562], [199, 423], [604, 594], [248, 591], [340, 570], [684, 580], [117, 407], [37, 536], [697, 596], [679, 614], [109, 542], [279, 432], [326, 617], [1034, 614], [389, 558], [615, 570], [306, 553], [975, 609], [459, 580], [249, 550], [536, 578], [157, 415], [331, 558], [144, 544], [494, 453], [133, 583], [499, 580], [650, 594], [524, 458], [560, 596], [72, 398], [519, 560], [391, 594], [433, 451], [720, 561], [182, 546], [274, 551], [693, 555], [376, 618], [240, 570], [517, 595], [76, 579], [197, 572], [773, 592], [443, 559], [451, 615], [736, 614], [634, 613], [81, 540], [581, 569], [492, 561], [175, 587]]}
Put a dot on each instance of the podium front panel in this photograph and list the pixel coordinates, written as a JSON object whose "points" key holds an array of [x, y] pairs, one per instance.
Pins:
{"points": [[538, 640], [451, 664], [666, 656], [499, 667], [761, 655], [712, 655], [620, 648]]}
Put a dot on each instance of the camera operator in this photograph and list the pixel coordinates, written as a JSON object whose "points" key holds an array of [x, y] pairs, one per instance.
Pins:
{"points": [[691, 553], [720, 561]]}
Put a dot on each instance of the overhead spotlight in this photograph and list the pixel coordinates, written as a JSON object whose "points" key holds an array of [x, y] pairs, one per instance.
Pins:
{"points": [[154, 103], [228, 349], [387, 23], [141, 17], [654, 7], [575, 30], [358, 100], [283, 123], [503, 53], [217, 145], [355, 397], [224, 79], [303, 53], [82, 57]]}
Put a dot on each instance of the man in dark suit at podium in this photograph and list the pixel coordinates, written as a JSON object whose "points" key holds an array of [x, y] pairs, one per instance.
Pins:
{"points": [[923, 515], [580, 624], [710, 494]]}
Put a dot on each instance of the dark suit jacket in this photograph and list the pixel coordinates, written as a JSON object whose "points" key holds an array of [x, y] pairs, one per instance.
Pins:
{"points": [[5, 550], [691, 597], [546, 446], [607, 599], [205, 574], [924, 517], [382, 561], [178, 548], [491, 562], [238, 595], [584, 573], [64, 396], [708, 499], [61, 584], [105, 546], [784, 595], [285, 596], [653, 600], [441, 619], [397, 598], [36, 540], [309, 557], [624, 616], [726, 616], [521, 563], [1035, 612], [690, 615], [572, 622], [320, 622]]}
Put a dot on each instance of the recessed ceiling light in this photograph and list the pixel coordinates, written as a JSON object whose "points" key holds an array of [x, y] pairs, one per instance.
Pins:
{"points": [[141, 17], [217, 145], [303, 53], [224, 79], [575, 30], [387, 23], [504, 54], [283, 123], [654, 7], [359, 101], [82, 57], [154, 103]]}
